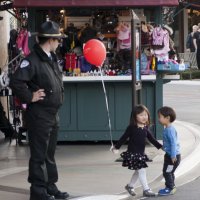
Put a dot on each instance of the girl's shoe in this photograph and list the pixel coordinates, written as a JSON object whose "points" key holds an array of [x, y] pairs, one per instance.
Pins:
{"points": [[130, 190], [149, 193]]}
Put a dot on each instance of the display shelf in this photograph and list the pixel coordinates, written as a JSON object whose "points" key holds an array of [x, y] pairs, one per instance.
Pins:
{"points": [[106, 78], [171, 76]]}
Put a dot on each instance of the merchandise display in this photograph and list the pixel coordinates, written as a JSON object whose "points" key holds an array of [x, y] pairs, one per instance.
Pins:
{"points": [[156, 45]]}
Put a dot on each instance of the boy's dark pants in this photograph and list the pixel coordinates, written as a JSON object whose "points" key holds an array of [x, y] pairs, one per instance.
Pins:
{"points": [[169, 174]]}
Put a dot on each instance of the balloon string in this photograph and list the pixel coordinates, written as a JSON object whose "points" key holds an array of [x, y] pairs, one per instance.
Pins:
{"points": [[107, 107]]}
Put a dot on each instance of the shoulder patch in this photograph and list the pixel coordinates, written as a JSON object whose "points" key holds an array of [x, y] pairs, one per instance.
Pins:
{"points": [[24, 63]]}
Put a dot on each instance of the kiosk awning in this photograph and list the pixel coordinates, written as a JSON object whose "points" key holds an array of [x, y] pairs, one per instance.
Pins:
{"points": [[86, 3]]}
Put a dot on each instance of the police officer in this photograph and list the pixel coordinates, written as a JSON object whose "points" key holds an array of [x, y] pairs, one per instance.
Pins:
{"points": [[38, 82]]}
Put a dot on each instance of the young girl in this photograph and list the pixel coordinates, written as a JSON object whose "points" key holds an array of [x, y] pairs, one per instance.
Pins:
{"points": [[134, 158]]}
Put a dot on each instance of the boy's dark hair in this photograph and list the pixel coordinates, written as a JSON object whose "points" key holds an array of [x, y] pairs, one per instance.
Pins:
{"points": [[168, 111], [137, 110]]}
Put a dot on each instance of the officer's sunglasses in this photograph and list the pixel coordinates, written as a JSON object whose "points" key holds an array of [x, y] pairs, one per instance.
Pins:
{"points": [[58, 39]]}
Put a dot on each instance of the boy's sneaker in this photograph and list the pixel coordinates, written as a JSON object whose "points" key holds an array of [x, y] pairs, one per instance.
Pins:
{"points": [[130, 190], [167, 191], [149, 193]]}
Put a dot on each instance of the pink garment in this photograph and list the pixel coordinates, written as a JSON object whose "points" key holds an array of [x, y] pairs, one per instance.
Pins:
{"points": [[123, 35], [126, 43], [164, 51], [158, 36], [22, 41], [124, 39]]}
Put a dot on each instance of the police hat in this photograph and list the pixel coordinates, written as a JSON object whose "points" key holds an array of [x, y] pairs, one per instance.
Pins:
{"points": [[50, 29]]}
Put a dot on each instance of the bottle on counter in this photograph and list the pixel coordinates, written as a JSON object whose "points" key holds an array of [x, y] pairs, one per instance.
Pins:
{"points": [[153, 63]]}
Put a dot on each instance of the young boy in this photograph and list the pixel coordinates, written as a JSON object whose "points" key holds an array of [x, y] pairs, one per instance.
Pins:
{"points": [[172, 158]]}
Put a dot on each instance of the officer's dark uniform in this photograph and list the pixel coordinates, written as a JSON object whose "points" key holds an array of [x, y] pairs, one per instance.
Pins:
{"points": [[38, 71]]}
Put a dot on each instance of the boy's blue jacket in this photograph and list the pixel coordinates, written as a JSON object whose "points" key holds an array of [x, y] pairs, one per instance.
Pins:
{"points": [[170, 141]]}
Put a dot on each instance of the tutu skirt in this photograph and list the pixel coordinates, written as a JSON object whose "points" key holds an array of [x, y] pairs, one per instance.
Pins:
{"points": [[134, 161]]}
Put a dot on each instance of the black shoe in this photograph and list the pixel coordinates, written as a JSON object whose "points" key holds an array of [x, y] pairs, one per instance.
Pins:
{"points": [[40, 193], [130, 190], [61, 195], [46, 197], [149, 193], [53, 190]]}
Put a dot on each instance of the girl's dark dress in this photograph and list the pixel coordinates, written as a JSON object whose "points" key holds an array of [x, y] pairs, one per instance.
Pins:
{"points": [[135, 158]]}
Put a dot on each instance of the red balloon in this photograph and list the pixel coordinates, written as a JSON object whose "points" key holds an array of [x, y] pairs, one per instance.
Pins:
{"points": [[94, 52]]}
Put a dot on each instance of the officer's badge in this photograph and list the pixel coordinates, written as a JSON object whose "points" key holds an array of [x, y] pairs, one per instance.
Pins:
{"points": [[24, 63]]}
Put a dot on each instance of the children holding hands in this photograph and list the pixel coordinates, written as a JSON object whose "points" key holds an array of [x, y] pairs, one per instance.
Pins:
{"points": [[135, 158]]}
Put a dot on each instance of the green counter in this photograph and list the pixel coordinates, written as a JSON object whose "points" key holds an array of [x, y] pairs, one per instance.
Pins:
{"points": [[83, 116]]}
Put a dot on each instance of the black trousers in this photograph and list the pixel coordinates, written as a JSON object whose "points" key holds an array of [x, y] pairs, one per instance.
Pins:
{"points": [[5, 125], [198, 58], [42, 126], [169, 169]]}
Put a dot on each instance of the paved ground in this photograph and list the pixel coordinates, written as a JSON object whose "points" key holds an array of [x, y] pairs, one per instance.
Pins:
{"points": [[184, 96], [85, 170], [89, 172], [188, 191]]}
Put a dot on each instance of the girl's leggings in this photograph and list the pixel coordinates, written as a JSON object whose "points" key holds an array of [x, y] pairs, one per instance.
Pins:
{"points": [[141, 174]]}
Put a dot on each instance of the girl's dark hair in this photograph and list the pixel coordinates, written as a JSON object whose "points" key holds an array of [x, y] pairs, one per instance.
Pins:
{"points": [[137, 110], [167, 111]]}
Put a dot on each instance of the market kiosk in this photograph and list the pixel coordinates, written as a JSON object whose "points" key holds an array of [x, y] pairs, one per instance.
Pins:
{"points": [[83, 116]]}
